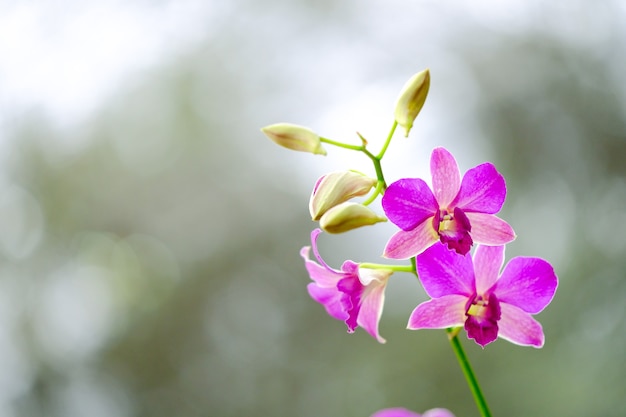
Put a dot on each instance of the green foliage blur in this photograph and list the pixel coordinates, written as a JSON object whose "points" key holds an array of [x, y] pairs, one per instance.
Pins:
{"points": [[149, 253]]}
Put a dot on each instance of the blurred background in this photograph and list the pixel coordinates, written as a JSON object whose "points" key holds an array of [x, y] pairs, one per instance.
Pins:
{"points": [[149, 233]]}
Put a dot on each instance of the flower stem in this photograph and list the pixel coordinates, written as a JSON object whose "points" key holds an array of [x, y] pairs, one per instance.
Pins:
{"points": [[468, 372], [395, 268], [342, 145], [388, 141]]}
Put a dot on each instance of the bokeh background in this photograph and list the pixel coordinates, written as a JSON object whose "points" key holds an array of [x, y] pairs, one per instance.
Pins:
{"points": [[149, 233]]}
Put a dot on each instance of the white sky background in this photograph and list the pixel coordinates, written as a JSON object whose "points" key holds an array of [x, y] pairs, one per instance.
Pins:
{"points": [[65, 58]]}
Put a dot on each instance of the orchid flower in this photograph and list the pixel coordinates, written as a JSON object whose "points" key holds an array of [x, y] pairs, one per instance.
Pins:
{"points": [[470, 292], [457, 212], [403, 412], [353, 294]]}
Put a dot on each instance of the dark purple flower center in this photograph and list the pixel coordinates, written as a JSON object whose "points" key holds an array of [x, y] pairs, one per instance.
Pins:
{"points": [[482, 315], [453, 229]]}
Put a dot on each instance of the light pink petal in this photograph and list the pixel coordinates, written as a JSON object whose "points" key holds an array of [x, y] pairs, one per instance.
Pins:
{"points": [[487, 263], [438, 412], [519, 327], [330, 298], [443, 272], [405, 245], [439, 313], [408, 202], [446, 176], [372, 302], [490, 230], [397, 412], [324, 277], [314, 235], [528, 283], [483, 190]]}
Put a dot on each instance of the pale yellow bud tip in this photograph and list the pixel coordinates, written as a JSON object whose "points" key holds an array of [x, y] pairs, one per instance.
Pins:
{"points": [[347, 216], [335, 188], [411, 99], [294, 137]]}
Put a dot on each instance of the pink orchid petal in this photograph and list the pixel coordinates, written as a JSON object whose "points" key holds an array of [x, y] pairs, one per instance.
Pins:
{"points": [[405, 245], [483, 190], [443, 272], [408, 202], [372, 302], [446, 176], [519, 327], [314, 235], [324, 277], [490, 230], [438, 412], [439, 313], [528, 283], [330, 298], [488, 261], [396, 412]]}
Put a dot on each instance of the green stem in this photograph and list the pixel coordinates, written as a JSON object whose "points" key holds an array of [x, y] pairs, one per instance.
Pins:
{"points": [[468, 372], [342, 145], [388, 141], [395, 268]]}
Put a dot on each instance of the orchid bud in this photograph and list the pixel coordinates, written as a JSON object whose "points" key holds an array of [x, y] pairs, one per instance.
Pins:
{"points": [[412, 99], [335, 188], [294, 137], [347, 216]]}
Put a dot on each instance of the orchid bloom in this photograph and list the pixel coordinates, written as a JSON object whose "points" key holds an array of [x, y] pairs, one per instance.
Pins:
{"points": [[457, 212], [403, 412], [355, 295], [471, 292]]}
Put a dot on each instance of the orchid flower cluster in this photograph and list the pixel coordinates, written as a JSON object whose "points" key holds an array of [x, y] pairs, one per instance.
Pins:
{"points": [[450, 233]]}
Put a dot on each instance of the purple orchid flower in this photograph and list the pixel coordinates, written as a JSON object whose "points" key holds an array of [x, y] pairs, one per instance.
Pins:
{"points": [[470, 292], [355, 295], [403, 412], [457, 212]]}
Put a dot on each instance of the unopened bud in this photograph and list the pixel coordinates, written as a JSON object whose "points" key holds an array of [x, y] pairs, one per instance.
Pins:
{"points": [[347, 216], [297, 138], [412, 99], [335, 188]]}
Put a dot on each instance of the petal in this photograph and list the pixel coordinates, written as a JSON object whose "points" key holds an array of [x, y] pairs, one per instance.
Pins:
{"points": [[330, 298], [439, 313], [351, 292], [408, 202], [396, 412], [324, 277], [443, 272], [372, 302], [528, 283], [438, 412], [483, 190], [404, 245], [488, 261], [490, 230], [446, 176], [519, 327], [314, 235]]}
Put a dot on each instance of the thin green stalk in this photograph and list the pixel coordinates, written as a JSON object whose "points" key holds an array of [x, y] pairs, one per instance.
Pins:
{"points": [[388, 141], [342, 145], [468, 372], [395, 268]]}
